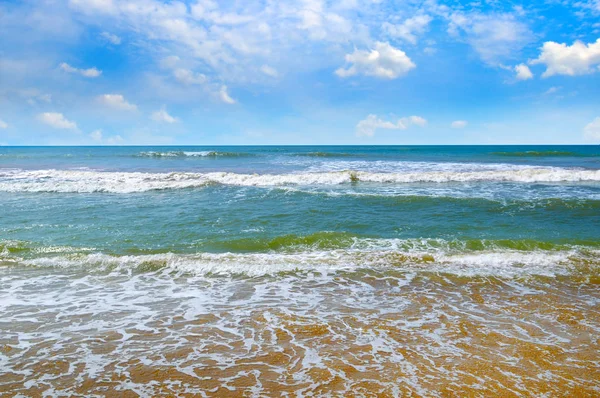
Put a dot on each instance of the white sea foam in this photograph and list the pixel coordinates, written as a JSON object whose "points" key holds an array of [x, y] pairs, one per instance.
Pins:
{"points": [[127, 182], [172, 154], [501, 263], [114, 331], [402, 166]]}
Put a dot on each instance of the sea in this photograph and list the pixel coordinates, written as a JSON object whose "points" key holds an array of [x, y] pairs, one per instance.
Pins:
{"points": [[297, 271]]}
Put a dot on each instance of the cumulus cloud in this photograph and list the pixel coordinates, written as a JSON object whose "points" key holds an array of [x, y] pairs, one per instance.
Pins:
{"points": [[225, 97], [591, 132], [56, 120], [162, 116], [208, 10], [91, 6], [231, 40], [91, 72], [188, 77], [523, 72], [99, 138], [493, 36], [169, 62], [269, 71], [368, 126], [116, 101], [182, 75], [551, 90], [409, 29], [96, 135], [383, 61], [459, 124], [319, 21], [34, 97], [576, 59], [199, 30], [3, 124], [112, 38]]}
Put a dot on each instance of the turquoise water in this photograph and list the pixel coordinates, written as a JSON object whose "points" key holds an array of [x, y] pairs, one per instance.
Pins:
{"points": [[300, 270], [135, 200]]}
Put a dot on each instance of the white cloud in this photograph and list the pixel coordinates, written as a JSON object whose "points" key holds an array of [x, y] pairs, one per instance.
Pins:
{"points": [[96, 135], [321, 23], [409, 29], [576, 59], [56, 120], [170, 62], [92, 6], [552, 90], [493, 36], [98, 138], [215, 37], [416, 120], [114, 39], [116, 101], [231, 40], [208, 10], [34, 97], [368, 126], [384, 61], [91, 72], [459, 124], [182, 75], [523, 72], [225, 97], [591, 132], [269, 71], [188, 77], [3, 124], [162, 116]]}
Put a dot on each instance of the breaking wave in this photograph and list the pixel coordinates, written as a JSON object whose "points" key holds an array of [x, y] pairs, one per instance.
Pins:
{"points": [[86, 181], [332, 252], [543, 154], [202, 154], [325, 154]]}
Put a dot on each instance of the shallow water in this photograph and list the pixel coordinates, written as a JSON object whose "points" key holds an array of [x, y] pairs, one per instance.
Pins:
{"points": [[300, 271]]}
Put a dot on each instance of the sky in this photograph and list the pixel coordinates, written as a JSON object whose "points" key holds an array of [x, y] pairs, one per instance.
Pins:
{"points": [[204, 72]]}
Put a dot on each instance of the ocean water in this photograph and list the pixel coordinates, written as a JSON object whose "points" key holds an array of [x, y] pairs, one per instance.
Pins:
{"points": [[300, 271]]}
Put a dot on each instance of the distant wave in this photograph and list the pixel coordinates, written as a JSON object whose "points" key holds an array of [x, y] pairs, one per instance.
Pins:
{"points": [[36, 156], [325, 154], [204, 154], [543, 154], [473, 257], [128, 182]]}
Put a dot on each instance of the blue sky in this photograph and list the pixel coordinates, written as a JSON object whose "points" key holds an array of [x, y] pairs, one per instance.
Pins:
{"points": [[201, 72]]}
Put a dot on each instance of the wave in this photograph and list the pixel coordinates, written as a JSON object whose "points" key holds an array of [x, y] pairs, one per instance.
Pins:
{"points": [[330, 240], [502, 258], [515, 196], [326, 154], [315, 241], [543, 154], [86, 181], [202, 154], [500, 263]]}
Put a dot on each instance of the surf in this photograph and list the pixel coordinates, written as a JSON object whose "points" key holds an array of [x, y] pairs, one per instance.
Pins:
{"points": [[88, 181]]}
